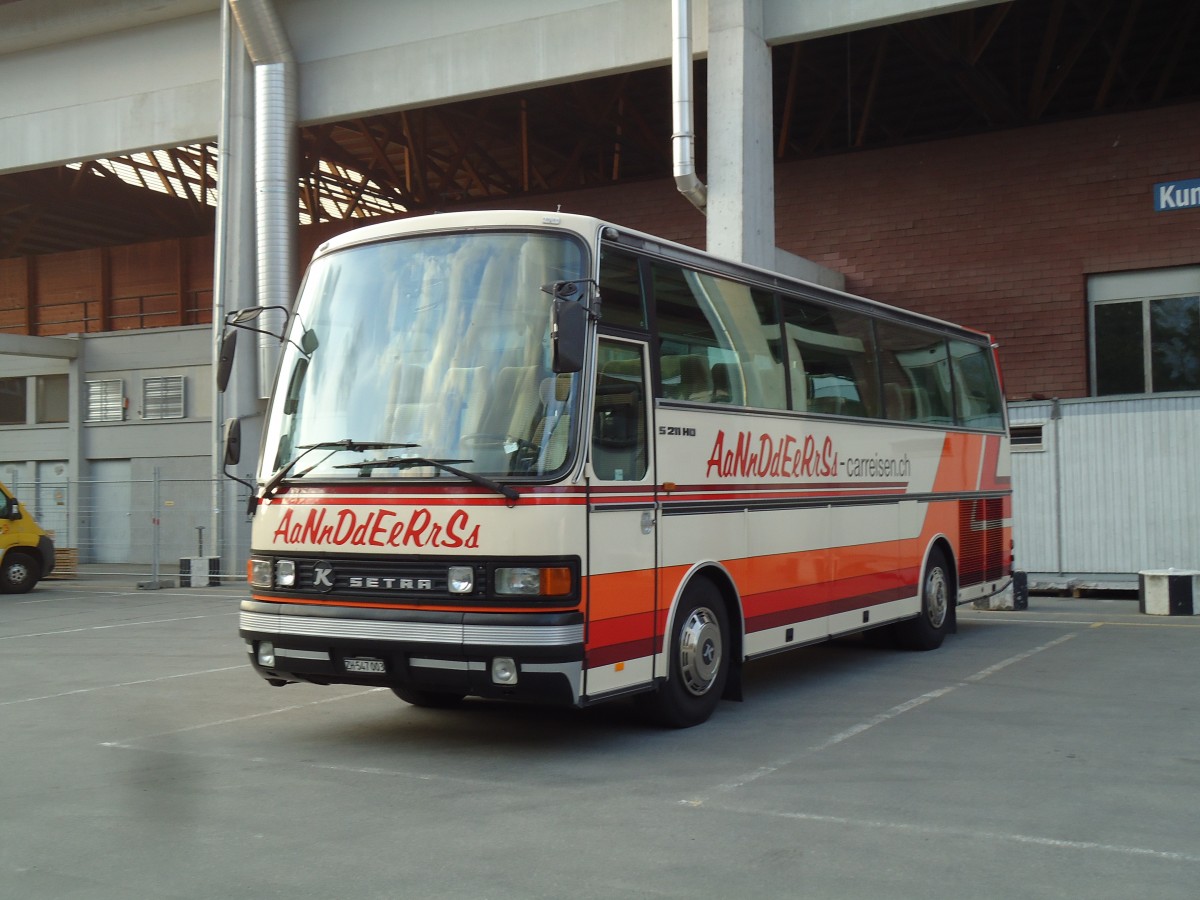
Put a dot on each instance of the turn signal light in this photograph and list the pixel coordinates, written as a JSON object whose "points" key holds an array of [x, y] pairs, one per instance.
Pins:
{"points": [[534, 581], [556, 581]]}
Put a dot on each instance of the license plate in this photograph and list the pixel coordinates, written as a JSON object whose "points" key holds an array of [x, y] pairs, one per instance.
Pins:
{"points": [[364, 664]]}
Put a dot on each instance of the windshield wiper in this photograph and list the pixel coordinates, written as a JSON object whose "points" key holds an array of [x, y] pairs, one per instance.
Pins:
{"points": [[408, 462], [332, 447]]}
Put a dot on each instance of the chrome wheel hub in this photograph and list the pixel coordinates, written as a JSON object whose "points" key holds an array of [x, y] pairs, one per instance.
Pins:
{"points": [[937, 597], [700, 651]]}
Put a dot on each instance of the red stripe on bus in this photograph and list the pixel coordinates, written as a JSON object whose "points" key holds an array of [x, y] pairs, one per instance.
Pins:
{"points": [[819, 610], [615, 653], [418, 500], [381, 489]]}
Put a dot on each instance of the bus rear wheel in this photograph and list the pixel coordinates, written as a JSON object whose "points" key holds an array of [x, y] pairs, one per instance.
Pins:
{"points": [[699, 661], [938, 599], [18, 574], [429, 699]]}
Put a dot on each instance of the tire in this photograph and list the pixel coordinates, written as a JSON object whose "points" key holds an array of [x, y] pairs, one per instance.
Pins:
{"points": [[938, 599], [698, 660], [19, 573], [429, 699]]}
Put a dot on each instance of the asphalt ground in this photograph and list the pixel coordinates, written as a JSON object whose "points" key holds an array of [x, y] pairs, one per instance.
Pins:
{"points": [[1053, 752]]}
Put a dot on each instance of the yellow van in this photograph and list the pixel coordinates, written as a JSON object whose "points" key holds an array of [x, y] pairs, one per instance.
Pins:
{"points": [[26, 551]]}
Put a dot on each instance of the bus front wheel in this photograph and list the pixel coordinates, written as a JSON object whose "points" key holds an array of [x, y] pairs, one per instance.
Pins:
{"points": [[938, 598], [699, 660]]}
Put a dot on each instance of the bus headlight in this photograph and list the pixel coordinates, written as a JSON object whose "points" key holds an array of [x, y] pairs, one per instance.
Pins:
{"points": [[285, 573], [460, 579], [258, 571], [534, 581]]}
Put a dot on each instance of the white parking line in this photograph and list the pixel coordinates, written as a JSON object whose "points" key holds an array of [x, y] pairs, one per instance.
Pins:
{"points": [[33, 634], [906, 706], [1012, 660], [281, 762], [1175, 622], [123, 684], [946, 831], [866, 725], [220, 593], [129, 743]]}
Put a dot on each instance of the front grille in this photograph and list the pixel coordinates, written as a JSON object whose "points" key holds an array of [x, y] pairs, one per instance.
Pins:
{"points": [[381, 580], [412, 581]]}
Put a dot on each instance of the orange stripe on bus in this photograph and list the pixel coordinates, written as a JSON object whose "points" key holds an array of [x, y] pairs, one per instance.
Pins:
{"points": [[958, 469], [620, 594]]}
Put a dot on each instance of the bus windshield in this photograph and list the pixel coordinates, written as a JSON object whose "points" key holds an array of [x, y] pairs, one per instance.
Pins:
{"points": [[427, 357]]}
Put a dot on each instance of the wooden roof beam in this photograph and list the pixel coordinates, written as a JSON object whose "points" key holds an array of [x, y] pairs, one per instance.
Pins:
{"points": [[1116, 55], [1182, 32], [864, 118], [930, 40], [1041, 101]]}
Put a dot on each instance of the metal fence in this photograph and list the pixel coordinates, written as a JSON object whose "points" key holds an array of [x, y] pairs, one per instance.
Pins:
{"points": [[137, 526]]}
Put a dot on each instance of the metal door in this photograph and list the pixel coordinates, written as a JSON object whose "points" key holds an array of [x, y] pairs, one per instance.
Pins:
{"points": [[623, 522]]}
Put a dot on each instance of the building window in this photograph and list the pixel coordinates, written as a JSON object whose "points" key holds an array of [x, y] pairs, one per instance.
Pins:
{"points": [[105, 401], [52, 399], [1145, 332], [12, 401], [1027, 438], [162, 397]]}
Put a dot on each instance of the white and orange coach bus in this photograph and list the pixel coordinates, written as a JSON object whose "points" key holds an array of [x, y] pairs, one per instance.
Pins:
{"points": [[543, 457]]}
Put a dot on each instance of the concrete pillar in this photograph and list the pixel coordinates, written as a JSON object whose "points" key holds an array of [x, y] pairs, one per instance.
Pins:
{"points": [[234, 280], [741, 188], [76, 454]]}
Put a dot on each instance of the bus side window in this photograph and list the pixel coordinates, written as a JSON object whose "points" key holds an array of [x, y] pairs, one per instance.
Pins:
{"points": [[706, 322], [619, 423], [916, 374], [832, 359], [977, 400], [621, 301]]}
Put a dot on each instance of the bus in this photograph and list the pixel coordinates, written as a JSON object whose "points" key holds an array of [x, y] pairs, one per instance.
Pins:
{"points": [[543, 457]]}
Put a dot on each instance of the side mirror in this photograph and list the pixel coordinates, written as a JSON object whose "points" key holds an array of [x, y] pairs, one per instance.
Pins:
{"points": [[233, 441], [233, 455], [225, 359], [568, 335], [308, 342]]}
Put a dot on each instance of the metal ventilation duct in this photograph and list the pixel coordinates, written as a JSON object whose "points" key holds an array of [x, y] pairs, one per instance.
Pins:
{"points": [[683, 137], [274, 167]]}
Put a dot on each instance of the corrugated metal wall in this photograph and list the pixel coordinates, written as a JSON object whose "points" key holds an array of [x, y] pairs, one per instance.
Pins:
{"points": [[1114, 489]]}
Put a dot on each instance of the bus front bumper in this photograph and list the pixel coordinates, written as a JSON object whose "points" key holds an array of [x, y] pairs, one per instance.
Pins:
{"points": [[535, 657]]}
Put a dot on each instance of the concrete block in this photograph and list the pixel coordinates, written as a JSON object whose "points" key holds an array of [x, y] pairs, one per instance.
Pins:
{"points": [[199, 571], [1168, 592], [1013, 596]]}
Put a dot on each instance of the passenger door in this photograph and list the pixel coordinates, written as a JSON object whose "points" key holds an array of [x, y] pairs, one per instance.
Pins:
{"points": [[623, 520]]}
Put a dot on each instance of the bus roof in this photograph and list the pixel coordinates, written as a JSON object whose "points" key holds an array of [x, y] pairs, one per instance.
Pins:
{"points": [[590, 227]]}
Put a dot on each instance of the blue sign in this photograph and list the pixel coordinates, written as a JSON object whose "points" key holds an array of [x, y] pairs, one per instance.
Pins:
{"points": [[1176, 194]]}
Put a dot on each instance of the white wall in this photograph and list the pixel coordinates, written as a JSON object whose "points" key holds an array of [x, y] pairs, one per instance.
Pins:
{"points": [[1101, 500]]}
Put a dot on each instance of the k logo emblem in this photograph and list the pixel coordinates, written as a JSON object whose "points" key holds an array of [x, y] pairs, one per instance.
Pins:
{"points": [[323, 577]]}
